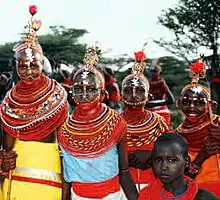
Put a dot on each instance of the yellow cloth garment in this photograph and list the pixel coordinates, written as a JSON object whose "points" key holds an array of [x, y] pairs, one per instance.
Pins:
{"points": [[40, 162]]}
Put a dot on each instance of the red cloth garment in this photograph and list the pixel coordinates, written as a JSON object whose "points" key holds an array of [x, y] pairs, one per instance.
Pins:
{"points": [[32, 112], [96, 190], [215, 80], [112, 89], [156, 191], [158, 87], [212, 187], [88, 138]]}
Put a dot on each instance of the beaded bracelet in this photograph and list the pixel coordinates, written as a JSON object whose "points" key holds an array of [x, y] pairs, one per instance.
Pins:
{"points": [[1, 172], [193, 168], [124, 170]]}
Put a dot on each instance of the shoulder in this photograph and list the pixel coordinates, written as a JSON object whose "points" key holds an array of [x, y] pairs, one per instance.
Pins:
{"points": [[119, 118], [205, 195], [161, 122]]}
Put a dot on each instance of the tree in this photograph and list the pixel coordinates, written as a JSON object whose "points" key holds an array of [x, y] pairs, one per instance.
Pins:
{"points": [[6, 53], [193, 23], [61, 45]]}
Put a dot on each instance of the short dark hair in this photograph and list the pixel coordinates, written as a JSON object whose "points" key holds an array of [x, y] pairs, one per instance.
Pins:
{"points": [[171, 138]]}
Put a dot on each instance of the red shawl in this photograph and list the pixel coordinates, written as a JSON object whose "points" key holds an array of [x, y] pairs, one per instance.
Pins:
{"points": [[113, 89], [91, 138], [32, 112], [158, 87]]}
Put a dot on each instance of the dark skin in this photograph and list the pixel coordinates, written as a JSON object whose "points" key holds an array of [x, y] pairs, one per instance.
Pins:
{"points": [[84, 94], [195, 105], [169, 164], [140, 159], [9, 159], [135, 91], [29, 68]]}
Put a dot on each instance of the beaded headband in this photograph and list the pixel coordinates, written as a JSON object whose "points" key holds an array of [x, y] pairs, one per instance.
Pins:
{"points": [[197, 71], [90, 60], [29, 37], [138, 68]]}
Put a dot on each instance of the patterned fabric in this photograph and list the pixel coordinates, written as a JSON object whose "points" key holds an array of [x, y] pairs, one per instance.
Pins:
{"points": [[35, 176], [163, 111], [32, 112], [144, 127], [88, 139], [196, 134]]}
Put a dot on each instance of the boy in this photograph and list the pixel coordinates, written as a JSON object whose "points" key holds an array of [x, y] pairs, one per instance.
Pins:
{"points": [[169, 161]]}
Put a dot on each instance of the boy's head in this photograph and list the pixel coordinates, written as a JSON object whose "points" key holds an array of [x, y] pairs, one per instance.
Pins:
{"points": [[170, 157]]}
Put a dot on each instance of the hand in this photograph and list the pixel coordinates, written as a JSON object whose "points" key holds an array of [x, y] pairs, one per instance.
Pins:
{"points": [[9, 161], [214, 131], [212, 147], [140, 159], [193, 170]]}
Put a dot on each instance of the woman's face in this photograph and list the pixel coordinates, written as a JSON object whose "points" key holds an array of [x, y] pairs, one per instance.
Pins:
{"points": [[86, 87], [29, 67], [135, 92], [194, 103]]}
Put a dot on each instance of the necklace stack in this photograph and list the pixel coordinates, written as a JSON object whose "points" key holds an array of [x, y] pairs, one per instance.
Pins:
{"points": [[89, 138]]}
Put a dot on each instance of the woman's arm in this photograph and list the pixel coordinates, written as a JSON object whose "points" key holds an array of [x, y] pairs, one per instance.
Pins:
{"points": [[66, 187], [8, 142], [125, 178], [66, 190]]}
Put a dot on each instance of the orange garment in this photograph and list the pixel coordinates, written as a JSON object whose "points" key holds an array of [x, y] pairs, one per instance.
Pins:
{"points": [[209, 175], [195, 134]]}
